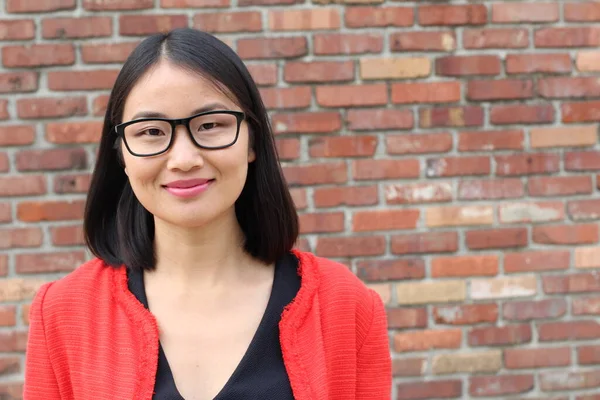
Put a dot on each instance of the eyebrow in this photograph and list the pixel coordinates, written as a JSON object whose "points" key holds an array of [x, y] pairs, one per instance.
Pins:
{"points": [[155, 114]]}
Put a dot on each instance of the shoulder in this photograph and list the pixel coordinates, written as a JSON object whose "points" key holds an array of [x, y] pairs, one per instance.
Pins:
{"points": [[79, 290]]}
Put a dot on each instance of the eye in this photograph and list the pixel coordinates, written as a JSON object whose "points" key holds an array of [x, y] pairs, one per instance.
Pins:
{"points": [[207, 126], [152, 132]]}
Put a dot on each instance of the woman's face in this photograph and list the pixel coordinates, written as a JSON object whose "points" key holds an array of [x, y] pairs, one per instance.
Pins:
{"points": [[186, 186]]}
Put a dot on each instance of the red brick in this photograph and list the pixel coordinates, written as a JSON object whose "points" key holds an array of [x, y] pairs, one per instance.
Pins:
{"points": [[51, 107], [521, 114], [527, 164], [525, 13], [438, 92], [71, 235], [531, 310], [566, 234], [429, 390], [491, 140], [316, 174], [16, 135], [409, 366], [567, 37], [7, 318], [501, 89], [565, 380], [345, 196], [20, 237], [464, 266], [37, 211], [385, 169], [537, 63], [537, 358], [263, 74], [142, 25], [4, 109], [4, 162], [117, 5], [378, 17], [299, 198], [379, 119], [571, 330], [582, 12], [14, 82], [427, 339], [244, 3], [48, 262], [351, 95], [418, 143], [582, 161], [343, 146], [3, 265], [321, 222], [586, 305], [543, 260], [102, 53], [495, 38], [468, 65], [288, 149], [229, 22], [499, 336], [17, 29], [468, 314], [76, 28], [568, 87], [347, 43], [430, 242], [452, 14], [496, 238], [51, 159], [29, 6], [572, 136], [580, 112], [385, 270], [527, 212], [318, 71], [423, 41], [584, 209], [418, 193], [282, 98], [588, 355], [365, 221], [38, 55], [268, 48], [22, 185], [573, 283], [490, 189], [307, 122], [457, 166], [451, 116], [559, 185], [350, 246], [500, 385], [72, 183], [205, 3], [82, 80], [73, 132], [304, 19]]}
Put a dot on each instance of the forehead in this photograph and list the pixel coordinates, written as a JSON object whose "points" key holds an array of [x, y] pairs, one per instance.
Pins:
{"points": [[174, 91]]}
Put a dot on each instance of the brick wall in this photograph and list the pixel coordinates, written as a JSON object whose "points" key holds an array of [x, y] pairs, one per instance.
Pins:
{"points": [[447, 151]]}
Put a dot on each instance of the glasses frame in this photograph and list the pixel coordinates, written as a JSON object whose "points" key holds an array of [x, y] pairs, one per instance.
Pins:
{"points": [[240, 116]]}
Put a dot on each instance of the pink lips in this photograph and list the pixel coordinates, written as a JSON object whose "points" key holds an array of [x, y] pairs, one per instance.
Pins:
{"points": [[188, 188]]}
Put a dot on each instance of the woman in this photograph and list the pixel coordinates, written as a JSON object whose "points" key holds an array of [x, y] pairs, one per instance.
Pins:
{"points": [[196, 291]]}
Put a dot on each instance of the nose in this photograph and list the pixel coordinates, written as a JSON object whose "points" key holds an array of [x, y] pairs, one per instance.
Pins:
{"points": [[184, 155]]}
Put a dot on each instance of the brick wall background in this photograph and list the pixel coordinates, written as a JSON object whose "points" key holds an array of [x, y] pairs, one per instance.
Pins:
{"points": [[447, 151]]}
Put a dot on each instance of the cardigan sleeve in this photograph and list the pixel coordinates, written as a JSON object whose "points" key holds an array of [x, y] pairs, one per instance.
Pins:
{"points": [[374, 362], [40, 380]]}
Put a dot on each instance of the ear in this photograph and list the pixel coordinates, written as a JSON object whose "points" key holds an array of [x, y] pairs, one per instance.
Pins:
{"points": [[251, 155]]}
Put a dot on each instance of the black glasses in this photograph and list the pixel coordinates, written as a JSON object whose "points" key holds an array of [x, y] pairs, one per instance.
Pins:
{"points": [[210, 130]]}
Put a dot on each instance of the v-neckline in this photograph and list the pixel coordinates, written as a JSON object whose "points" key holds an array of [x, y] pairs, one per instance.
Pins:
{"points": [[267, 321]]}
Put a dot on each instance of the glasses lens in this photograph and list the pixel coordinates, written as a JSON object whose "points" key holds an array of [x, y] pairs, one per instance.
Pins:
{"points": [[148, 137], [214, 130]]}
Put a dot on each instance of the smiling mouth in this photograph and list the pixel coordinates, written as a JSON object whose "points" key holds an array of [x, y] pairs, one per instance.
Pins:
{"points": [[187, 190]]}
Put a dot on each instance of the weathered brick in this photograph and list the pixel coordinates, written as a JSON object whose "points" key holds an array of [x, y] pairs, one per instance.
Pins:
{"points": [[17, 29], [141, 25], [101, 53], [394, 68], [559, 185], [527, 164], [501, 89], [318, 71], [48, 262], [307, 122], [343, 146], [562, 37], [459, 216], [472, 362], [451, 388], [490, 189], [20, 237], [30, 211], [316, 174], [500, 385], [79, 183], [538, 63], [304, 20], [457, 166], [38, 55], [351, 95], [530, 261], [512, 139], [447, 291], [321, 222], [567, 380], [419, 143], [71, 235], [531, 310], [378, 17], [409, 366], [423, 41], [369, 119], [496, 238], [468, 314], [495, 38], [364, 221], [349, 196], [28, 185], [566, 234], [286, 98], [14, 82], [521, 114], [347, 43], [503, 287], [572, 283], [525, 12], [427, 339], [51, 107], [569, 330], [76, 28], [431, 192], [82, 80], [587, 257], [385, 270], [438, 92], [499, 336], [73, 132], [385, 169], [117, 5], [229, 22], [31, 6], [475, 14], [573, 112], [531, 212], [350, 246], [464, 266]]}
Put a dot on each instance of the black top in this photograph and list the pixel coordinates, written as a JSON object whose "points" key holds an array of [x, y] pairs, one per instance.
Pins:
{"points": [[261, 373]]}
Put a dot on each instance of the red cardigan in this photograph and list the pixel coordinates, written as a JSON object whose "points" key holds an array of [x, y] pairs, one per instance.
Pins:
{"points": [[90, 338]]}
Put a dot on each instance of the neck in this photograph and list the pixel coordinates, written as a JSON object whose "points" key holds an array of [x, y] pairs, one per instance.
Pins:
{"points": [[210, 255]]}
